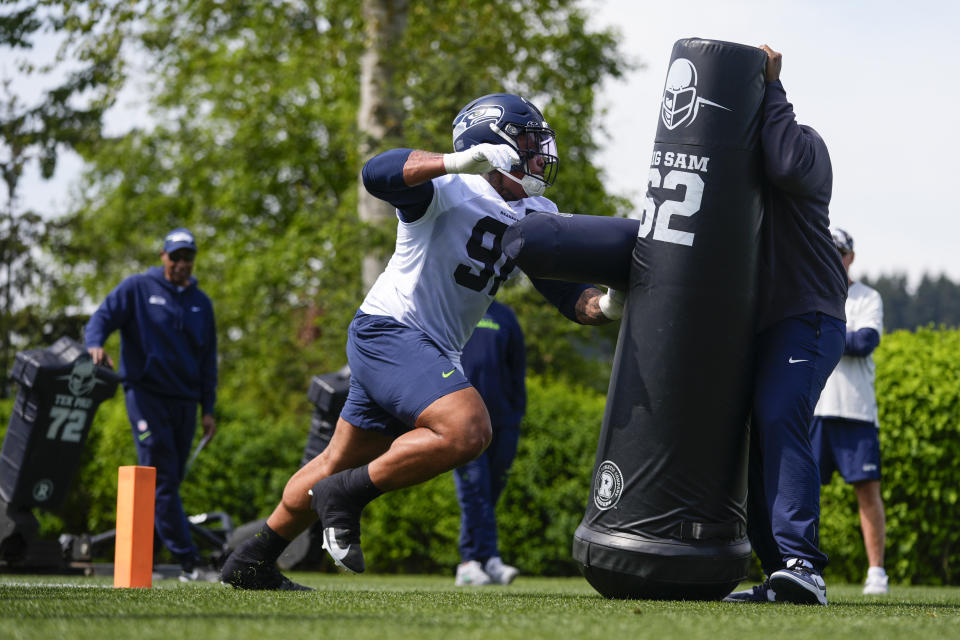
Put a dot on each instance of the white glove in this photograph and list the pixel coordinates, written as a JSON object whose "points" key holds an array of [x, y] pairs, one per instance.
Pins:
{"points": [[611, 304], [482, 158]]}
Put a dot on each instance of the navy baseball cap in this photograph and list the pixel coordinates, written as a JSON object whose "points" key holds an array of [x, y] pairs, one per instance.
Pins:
{"points": [[842, 239], [179, 239]]}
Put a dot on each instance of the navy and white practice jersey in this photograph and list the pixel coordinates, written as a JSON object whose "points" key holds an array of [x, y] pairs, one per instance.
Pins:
{"points": [[448, 264]]}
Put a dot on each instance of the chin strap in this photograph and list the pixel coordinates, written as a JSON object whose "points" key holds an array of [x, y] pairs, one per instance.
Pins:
{"points": [[531, 186]]}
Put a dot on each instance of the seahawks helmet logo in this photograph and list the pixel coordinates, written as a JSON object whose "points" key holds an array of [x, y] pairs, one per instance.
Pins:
{"points": [[680, 103], [478, 116]]}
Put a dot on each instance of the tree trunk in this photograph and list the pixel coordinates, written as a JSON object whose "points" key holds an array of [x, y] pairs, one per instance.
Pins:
{"points": [[379, 116]]}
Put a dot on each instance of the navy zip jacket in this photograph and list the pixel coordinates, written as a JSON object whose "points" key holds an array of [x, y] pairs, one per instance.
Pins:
{"points": [[494, 360], [800, 268], [168, 337]]}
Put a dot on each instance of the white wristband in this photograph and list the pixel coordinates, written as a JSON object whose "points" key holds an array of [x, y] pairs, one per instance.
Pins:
{"points": [[457, 162], [481, 159], [611, 304]]}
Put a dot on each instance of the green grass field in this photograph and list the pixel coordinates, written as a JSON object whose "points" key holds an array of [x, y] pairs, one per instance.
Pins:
{"points": [[426, 607]]}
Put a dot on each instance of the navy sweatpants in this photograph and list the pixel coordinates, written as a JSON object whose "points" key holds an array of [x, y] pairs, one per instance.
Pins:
{"points": [[794, 358], [163, 430], [479, 485]]}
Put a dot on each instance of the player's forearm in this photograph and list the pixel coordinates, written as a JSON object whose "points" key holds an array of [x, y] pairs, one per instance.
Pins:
{"points": [[588, 310], [861, 343], [422, 166]]}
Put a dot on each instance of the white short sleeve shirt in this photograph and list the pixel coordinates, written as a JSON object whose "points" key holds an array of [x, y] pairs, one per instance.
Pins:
{"points": [[849, 392]]}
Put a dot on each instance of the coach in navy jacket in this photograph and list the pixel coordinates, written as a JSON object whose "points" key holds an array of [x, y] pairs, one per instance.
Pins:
{"points": [[494, 361], [801, 332], [169, 365]]}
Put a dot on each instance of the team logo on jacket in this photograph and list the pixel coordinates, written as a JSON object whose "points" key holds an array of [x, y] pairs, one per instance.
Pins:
{"points": [[607, 485], [680, 103], [157, 300], [179, 236]]}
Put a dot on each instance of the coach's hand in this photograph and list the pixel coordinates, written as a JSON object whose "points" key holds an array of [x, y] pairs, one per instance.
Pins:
{"points": [[481, 159], [98, 355], [774, 64], [209, 426]]}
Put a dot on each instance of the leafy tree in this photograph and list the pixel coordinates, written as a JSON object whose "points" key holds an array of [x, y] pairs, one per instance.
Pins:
{"points": [[255, 146], [379, 113], [896, 300], [936, 301], [27, 282], [35, 305], [13, 251]]}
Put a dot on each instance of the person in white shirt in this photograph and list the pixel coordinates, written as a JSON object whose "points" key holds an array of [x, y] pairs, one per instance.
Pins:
{"points": [[411, 413], [844, 432]]}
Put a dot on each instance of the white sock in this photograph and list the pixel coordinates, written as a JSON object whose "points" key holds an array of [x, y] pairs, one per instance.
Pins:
{"points": [[876, 571], [803, 563]]}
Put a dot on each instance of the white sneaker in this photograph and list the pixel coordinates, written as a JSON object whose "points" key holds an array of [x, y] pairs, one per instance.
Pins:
{"points": [[471, 574], [876, 584], [199, 574], [499, 572]]}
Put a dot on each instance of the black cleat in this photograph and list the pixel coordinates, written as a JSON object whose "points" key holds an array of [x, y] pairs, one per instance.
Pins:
{"points": [[344, 548], [341, 523], [256, 575]]}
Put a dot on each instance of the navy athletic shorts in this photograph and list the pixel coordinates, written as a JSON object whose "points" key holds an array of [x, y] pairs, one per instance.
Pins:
{"points": [[851, 447], [395, 373]]}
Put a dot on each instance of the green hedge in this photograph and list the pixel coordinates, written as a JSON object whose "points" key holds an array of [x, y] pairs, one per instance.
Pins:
{"points": [[242, 472], [918, 392], [415, 530], [244, 469]]}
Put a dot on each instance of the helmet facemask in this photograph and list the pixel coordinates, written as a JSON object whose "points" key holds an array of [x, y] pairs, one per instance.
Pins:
{"points": [[537, 147]]}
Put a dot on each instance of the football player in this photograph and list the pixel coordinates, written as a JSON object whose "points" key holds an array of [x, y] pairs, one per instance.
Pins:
{"points": [[411, 414]]}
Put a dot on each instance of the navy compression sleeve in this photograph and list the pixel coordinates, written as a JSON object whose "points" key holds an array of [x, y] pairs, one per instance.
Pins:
{"points": [[562, 295], [861, 342], [383, 178]]}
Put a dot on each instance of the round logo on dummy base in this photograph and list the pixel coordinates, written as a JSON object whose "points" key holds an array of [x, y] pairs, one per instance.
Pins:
{"points": [[42, 490], [607, 486]]}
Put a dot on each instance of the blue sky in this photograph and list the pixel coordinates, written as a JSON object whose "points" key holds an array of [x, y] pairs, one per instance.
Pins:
{"points": [[880, 80]]}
